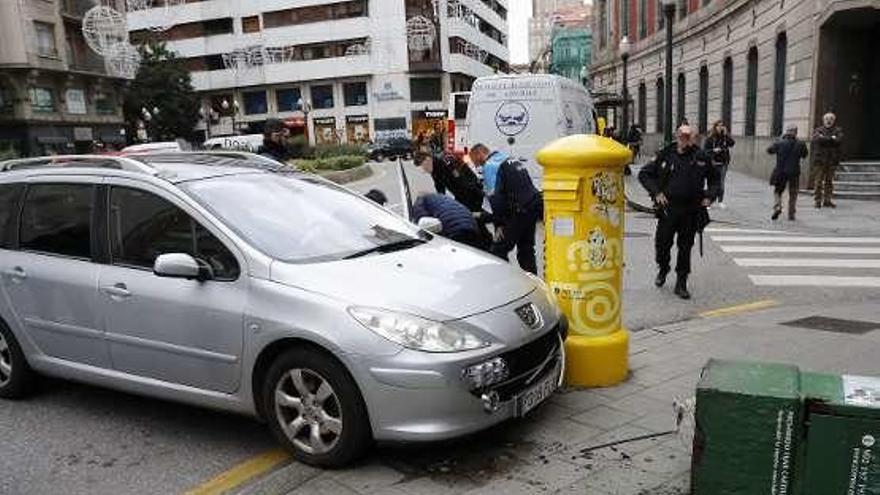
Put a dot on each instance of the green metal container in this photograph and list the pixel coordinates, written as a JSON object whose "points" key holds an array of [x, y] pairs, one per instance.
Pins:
{"points": [[749, 423], [843, 435]]}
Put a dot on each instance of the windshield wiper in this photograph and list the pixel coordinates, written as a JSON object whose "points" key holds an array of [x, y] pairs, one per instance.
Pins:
{"points": [[387, 248]]}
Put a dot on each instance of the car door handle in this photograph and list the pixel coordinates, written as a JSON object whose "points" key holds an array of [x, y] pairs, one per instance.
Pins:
{"points": [[17, 274], [117, 291]]}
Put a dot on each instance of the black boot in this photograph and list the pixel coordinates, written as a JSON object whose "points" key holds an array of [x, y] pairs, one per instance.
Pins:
{"points": [[660, 281], [681, 289]]}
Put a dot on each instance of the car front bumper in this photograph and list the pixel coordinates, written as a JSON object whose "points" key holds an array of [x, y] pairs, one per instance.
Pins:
{"points": [[411, 400]]}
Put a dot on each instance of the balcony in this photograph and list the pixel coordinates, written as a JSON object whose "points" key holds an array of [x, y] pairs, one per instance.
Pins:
{"points": [[87, 61], [75, 9]]}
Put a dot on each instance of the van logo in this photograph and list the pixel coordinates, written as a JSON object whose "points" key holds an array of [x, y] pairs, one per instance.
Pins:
{"points": [[511, 118]]}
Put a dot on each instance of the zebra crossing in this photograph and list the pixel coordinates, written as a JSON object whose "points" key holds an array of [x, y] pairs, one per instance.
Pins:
{"points": [[776, 258]]}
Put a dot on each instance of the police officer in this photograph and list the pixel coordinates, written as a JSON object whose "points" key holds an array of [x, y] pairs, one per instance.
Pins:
{"points": [[451, 174], [683, 183], [457, 222], [516, 205]]}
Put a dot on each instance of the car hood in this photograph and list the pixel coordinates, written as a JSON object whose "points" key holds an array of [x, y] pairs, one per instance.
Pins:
{"points": [[437, 280]]}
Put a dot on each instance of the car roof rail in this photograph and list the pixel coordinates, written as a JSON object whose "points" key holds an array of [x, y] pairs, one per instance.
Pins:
{"points": [[78, 161]]}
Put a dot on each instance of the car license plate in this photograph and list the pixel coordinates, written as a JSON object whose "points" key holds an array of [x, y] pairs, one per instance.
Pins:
{"points": [[539, 392]]}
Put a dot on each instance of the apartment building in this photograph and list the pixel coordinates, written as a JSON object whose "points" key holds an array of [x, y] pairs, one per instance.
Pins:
{"points": [[545, 13], [757, 65], [55, 93], [336, 71]]}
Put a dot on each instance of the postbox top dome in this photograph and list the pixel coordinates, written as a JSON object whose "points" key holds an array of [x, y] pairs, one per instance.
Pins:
{"points": [[584, 150]]}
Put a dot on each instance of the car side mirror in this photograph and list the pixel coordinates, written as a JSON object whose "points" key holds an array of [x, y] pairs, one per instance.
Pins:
{"points": [[182, 265], [431, 224]]}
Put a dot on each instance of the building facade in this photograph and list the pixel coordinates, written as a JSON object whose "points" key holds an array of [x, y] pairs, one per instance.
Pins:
{"points": [[55, 93], [337, 71], [757, 65], [571, 52], [541, 24]]}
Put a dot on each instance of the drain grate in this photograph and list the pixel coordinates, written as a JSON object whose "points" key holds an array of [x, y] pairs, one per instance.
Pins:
{"points": [[833, 325]]}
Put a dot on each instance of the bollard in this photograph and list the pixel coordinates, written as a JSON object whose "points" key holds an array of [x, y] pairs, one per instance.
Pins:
{"points": [[583, 218]]}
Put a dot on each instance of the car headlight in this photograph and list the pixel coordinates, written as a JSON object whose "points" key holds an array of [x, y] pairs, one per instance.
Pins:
{"points": [[414, 332]]}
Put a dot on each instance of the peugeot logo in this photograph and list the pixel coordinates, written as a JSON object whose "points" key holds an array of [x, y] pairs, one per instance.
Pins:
{"points": [[530, 316]]}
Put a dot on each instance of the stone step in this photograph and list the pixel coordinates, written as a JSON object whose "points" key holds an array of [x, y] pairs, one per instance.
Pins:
{"points": [[860, 166], [860, 195], [857, 176], [863, 186]]}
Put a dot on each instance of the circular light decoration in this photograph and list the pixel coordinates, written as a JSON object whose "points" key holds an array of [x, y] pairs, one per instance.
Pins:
{"points": [[103, 27], [358, 49], [122, 60], [420, 33]]}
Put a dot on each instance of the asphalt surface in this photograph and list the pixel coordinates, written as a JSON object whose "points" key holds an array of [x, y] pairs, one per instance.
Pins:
{"points": [[78, 439]]}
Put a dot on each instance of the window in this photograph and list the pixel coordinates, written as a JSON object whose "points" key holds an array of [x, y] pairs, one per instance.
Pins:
{"points": [[105, 104], [250, 24], [9, 196], [643, 18], [779, 83], [603, 23], [315, 13], [660, 98], [45, 34], [680, 99], [217, 26], [727, 93], [42, 99], [144, 226], [5, 99], [288, 99], [255, 102], [322, 96], [751, 92], [661, 15], [624, 18], [682, 9], [643, 103], [57, 219], [704, 100], [425, 89], [355, 94]]}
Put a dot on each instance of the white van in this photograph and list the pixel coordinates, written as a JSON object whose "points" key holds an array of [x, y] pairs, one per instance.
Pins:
{"points": [[246, 142], [521, 113]]}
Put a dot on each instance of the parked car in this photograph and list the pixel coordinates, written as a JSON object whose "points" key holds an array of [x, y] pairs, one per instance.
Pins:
{"points": [[246, 142], [392, 148], [185, 277], [158, 147]]}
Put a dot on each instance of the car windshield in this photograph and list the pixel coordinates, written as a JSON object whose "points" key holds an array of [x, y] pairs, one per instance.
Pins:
{"points": [[301, 219]]}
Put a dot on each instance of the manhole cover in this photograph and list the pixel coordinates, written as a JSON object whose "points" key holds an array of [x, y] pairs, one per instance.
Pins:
{"points": [[833, 325]]}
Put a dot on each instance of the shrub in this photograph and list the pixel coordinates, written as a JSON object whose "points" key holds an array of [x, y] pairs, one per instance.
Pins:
{"points": [[333, 163], [299, 147], [333, 150], [8, 153]]}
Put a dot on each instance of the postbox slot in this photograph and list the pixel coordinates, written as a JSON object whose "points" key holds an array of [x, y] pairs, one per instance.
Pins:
{"points": [[563, 191]]}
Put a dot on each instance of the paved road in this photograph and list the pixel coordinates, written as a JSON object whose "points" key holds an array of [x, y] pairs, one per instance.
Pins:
{"points": [[83, 440]]}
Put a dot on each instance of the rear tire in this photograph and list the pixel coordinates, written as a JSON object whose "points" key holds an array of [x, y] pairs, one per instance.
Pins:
{"points": [[16, 376], [315, 409], [380, 158]]}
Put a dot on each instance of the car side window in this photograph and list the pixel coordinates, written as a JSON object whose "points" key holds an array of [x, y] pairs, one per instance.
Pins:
{"points": [[57, 219], [9, 196], [144, 226]]}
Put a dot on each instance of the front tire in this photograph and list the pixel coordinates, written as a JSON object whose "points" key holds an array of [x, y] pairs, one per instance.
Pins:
{"points": [[16, 376], [315, 409]]}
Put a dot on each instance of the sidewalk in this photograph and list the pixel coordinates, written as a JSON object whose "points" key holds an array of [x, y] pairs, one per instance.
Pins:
{"points": [[553, 450]]}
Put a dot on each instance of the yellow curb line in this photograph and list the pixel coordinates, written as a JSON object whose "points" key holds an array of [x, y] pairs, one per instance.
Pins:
{"points": [[241, 473], [740, 308]]}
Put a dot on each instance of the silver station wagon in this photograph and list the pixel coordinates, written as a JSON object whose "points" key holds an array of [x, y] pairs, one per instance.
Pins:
{"points": [[225, 281]]}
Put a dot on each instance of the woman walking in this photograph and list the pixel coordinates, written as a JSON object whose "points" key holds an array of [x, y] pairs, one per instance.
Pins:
{"points": [[718, 146]]}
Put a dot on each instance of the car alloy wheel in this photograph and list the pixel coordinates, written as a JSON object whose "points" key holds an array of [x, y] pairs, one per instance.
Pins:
{"points": [[309, 411], [5, 362]]}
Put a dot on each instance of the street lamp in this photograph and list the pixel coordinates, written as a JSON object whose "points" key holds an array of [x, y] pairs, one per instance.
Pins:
{"points": [[305, 107], [234, 106], [669, 12], [624, 55]]}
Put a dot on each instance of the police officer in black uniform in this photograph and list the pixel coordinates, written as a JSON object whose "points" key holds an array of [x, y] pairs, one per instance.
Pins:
{"points": [[516, 208], [683, 183]]}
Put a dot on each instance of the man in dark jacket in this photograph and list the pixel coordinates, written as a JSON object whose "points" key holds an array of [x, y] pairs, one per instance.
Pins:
{"points": [[683, 184], [450, 173], [516, 205], [458, 223], [789, 151], [827, 140], [275, 141], [718, 145]]}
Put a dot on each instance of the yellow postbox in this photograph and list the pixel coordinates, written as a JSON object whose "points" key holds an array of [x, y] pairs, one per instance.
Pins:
{"points": [[584, 217]]}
